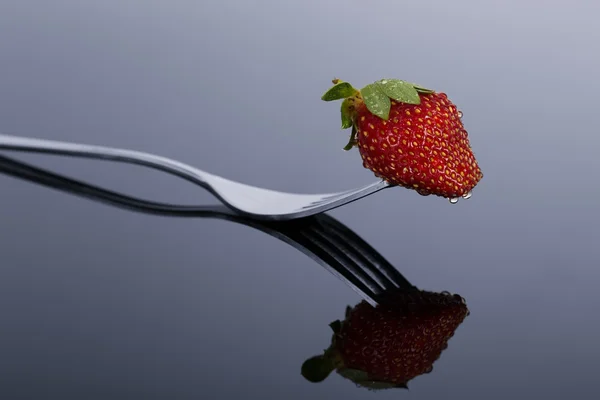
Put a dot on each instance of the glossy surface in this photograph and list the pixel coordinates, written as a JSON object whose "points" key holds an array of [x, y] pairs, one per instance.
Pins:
{"points": [[251, 201], [99, 302]]}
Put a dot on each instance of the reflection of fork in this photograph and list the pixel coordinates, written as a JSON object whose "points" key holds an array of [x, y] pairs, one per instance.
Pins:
{"points": [[321, 237]]}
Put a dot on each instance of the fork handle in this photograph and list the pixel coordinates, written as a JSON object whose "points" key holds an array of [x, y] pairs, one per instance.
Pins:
{"points": [[32, 145]]}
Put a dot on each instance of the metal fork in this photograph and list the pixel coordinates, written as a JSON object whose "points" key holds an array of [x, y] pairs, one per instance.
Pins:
{"points": [[323, 238], [250, 201]]}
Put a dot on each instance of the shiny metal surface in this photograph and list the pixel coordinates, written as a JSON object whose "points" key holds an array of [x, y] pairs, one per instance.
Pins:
{"points": [[246, 200]]}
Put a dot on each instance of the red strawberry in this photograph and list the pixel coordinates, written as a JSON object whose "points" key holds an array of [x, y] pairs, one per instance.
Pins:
{"points": [[410, 136], [388, 345]]}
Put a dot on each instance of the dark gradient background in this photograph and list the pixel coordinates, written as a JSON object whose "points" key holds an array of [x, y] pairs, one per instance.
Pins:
{"points": [[102, 303]]}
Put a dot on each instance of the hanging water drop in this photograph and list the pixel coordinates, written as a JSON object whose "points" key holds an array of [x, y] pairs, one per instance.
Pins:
{"points": [[453, 200], [467, 195], [460, 114]]}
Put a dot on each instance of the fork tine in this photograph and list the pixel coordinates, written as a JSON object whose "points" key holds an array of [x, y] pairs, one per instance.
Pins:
{"points": [[352, 250], [340, 195], [374, 259], [337, 264], [327, 242]]}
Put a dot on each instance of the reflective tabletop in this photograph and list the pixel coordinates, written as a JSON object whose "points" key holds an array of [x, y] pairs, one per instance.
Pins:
{"points": [[101, 301]]}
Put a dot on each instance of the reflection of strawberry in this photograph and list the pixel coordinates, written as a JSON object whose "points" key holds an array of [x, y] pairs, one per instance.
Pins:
{"points": [[388, 345], [410, 136]]}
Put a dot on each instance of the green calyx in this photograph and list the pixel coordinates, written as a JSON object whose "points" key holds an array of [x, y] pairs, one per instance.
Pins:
{"points": [[318, 368], [336, 326], [376, 96], [339, 90], [361, 378]]}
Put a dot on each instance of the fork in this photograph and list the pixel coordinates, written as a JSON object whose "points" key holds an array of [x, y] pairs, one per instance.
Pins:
{"points": [[321, 237], [250, 201]]}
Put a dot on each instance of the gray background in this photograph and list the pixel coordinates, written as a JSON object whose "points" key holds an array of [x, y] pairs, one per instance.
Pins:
{"points": [[98, 303]]}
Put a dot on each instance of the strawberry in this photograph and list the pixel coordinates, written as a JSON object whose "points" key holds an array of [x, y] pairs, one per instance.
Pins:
{"points": [[410, 136], [386, 346]]}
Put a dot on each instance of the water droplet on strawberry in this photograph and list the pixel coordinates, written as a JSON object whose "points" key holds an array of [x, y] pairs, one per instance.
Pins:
{"points": [[460, 114], [453, 200], [467, 195]]}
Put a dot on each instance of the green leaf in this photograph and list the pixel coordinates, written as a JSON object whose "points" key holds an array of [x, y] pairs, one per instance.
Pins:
{"points": [[352, 140], [345, 111], [336, 326], [421, 89], [401, 91], [340, 91], [361, 378], [348, 311], [377, 102], [354, 375], [317, 368]]}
